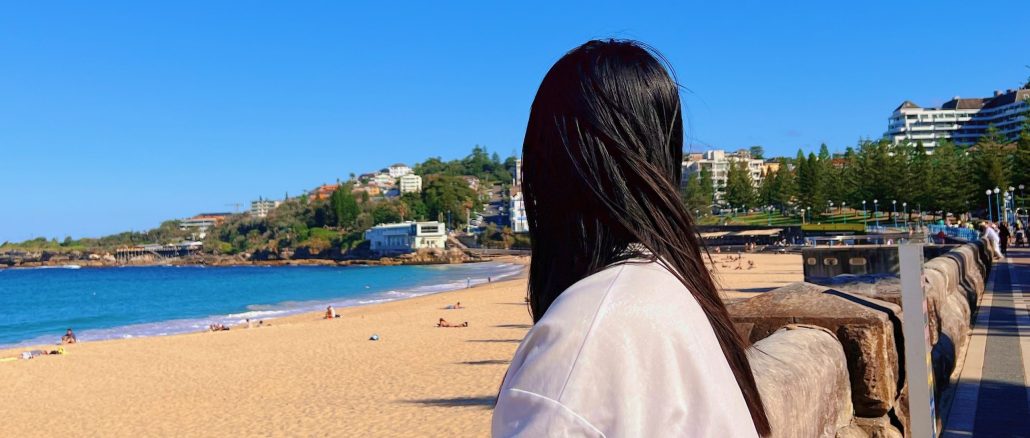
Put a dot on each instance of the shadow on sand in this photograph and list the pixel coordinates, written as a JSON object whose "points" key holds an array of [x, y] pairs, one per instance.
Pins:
{"points": [[484, 402], [486, 362]]}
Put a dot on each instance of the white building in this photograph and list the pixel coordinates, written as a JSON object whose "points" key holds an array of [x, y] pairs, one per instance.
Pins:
{"points": [[963, 121], [517, 212], [406, 237], [384, 180], [718, 164], [202, 222], [411, 183], [518, 172], [398, 170], [262, 207]]}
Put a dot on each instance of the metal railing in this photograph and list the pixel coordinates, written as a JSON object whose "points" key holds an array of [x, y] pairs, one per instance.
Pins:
{"points": [[954, 232]]}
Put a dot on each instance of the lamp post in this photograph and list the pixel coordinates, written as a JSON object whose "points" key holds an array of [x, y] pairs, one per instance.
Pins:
{"points": [[843, 205], [769, 208], [865, 216], [1012, 203], [1022, 199], [904, 206], [990, 217], [876, 212], [894, 211], [829, 206], [802, 216], [997, 202]]}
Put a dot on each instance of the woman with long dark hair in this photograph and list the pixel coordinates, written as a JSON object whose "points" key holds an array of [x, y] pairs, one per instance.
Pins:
{"points": [[630, 337]]}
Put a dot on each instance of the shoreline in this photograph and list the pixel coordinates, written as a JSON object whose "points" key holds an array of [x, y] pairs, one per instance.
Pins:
{"points": [[287, 312], [385, 261]]}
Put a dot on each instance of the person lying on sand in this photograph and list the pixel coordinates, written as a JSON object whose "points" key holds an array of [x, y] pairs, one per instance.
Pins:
{"points": [[751, 264], [69, 337], [454, 306], [217, 327], [444, 323]]}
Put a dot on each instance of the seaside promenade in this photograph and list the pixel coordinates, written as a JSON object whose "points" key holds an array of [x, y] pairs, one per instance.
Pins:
{"points": [[993, 394]]}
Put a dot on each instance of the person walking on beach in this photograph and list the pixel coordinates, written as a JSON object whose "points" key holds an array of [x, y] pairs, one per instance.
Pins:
{"points": [[630, 337]]}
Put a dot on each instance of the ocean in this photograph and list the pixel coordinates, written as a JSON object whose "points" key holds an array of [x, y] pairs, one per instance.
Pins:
{"points": [[38, 304]]}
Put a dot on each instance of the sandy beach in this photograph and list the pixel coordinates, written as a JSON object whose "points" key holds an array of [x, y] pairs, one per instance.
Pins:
{"points": [[302, 375]]}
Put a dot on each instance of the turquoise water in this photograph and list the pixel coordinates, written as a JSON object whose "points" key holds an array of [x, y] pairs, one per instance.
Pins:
{"points": [[37, 305]]}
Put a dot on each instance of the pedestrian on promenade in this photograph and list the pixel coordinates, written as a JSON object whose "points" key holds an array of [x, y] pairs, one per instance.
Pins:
{"points": [[1004, 235], [993, 240]]}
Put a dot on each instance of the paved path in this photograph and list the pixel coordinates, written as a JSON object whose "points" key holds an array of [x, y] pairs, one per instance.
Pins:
{"points": [[993, 394]]}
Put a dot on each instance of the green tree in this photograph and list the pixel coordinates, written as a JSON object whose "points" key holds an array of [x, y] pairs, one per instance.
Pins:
{"points": [[448, 196], [740, 188], [991, 161], [951, 189], [344, 206], [696, 195], [757, 152], [811, 186]]}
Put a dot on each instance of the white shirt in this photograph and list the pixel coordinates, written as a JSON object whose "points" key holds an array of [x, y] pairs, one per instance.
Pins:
{"points": [[626, 352]]}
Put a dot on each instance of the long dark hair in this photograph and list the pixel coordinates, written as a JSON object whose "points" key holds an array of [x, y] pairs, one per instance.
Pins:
{"points": [[601, 172]]}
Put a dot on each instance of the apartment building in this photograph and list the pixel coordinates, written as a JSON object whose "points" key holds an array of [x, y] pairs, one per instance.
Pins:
{"points": [[517, 211], [398, 170], [411, 183], [261, 207], [961, 120], [718, 162]]}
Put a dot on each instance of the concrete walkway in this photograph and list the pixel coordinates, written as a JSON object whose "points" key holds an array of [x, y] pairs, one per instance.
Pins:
{"points": [[992, 398]]}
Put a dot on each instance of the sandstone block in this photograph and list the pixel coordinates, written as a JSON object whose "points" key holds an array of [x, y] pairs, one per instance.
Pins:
{"points": [[865, 326], [802, 375]]}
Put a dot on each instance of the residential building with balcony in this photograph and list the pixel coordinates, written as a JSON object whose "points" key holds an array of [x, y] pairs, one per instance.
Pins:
{"points": [[718, 162], [384, 180], [202, 222], [517, 211], [323, 192], [398, 170], [261, 207], [961, 120], [411, 183]]}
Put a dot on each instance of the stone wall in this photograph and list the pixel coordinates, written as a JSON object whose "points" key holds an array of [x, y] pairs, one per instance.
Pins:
{"points": [[863, 313]]}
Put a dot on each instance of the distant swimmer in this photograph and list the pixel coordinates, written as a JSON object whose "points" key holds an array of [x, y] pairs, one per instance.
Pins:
{"points": [[69, 337]]}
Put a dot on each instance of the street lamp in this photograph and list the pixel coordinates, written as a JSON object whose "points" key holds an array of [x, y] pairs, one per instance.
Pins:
{"points": [[1022, 199], [876, 212], [904, 206], [843, 205], [997, 203], [864, 216], [802, 216], [894, 211], [1011, 205], [990, 212]]}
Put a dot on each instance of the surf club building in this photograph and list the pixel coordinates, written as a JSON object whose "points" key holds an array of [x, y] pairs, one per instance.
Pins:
{"points": [[406, 237]]}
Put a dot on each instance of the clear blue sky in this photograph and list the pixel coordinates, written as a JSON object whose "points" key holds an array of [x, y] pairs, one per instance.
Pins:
{"points": [[116, 116]]}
